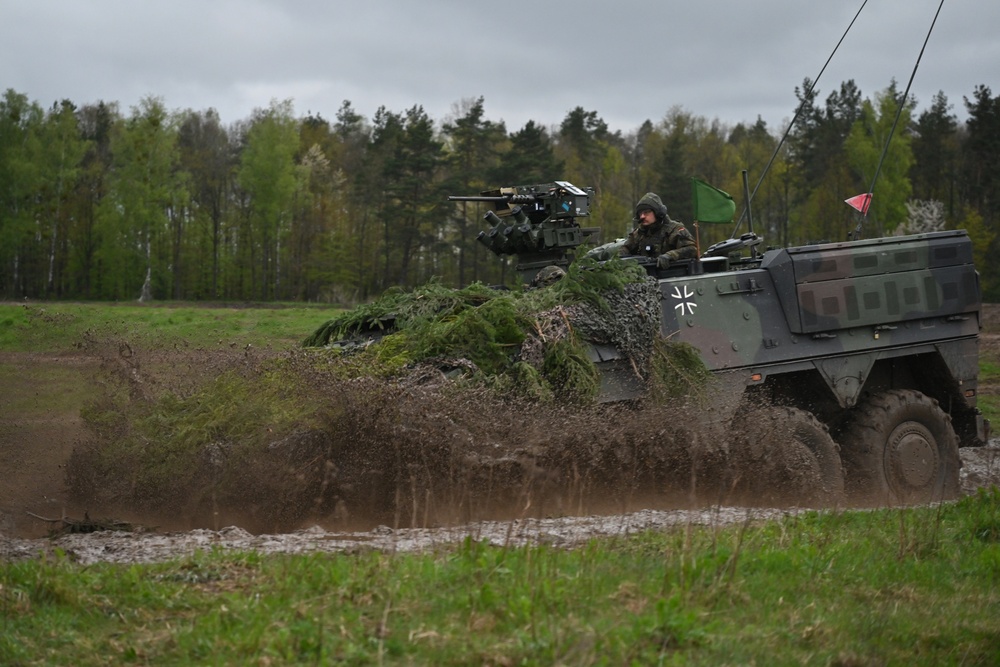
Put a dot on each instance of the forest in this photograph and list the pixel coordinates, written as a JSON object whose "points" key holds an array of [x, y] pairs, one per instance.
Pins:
{"points": [[160, 204]]}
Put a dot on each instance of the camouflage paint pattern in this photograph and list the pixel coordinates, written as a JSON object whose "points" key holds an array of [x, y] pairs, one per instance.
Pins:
{"points": [[838, 309], [815, 301]]}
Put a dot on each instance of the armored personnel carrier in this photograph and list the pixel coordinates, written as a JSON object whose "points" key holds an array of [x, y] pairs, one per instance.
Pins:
{"points": [[866, 350]]}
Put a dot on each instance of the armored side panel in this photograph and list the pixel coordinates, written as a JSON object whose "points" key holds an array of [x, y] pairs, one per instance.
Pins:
{"points": [[875, 282], [842, 310]]}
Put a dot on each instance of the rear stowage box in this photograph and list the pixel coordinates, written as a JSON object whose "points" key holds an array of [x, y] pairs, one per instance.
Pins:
{"points": [[873, 282]]}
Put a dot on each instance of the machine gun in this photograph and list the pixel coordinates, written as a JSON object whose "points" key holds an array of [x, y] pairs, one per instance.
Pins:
{"points": [[537, 223]]}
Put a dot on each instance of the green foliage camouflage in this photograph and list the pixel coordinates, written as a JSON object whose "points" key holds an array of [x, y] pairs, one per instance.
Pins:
{"points": [[531, 341], [678, 371]]}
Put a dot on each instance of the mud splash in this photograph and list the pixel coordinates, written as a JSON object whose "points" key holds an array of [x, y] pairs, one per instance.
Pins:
{"points": [[411, 462], [981, 468], [275, 442]]}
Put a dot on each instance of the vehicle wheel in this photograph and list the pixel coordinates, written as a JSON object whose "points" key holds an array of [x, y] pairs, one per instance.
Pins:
{"points": [[786, 454], [900, 447]]}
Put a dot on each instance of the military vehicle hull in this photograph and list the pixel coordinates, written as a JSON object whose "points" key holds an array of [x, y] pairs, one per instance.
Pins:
{"points": [[877, 339]]}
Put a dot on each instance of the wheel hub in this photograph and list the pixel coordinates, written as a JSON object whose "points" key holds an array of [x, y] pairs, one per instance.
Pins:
{"points": [[912, 461]]}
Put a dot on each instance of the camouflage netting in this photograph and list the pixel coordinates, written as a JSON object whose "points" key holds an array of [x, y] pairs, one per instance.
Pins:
{"points": [[630, 321], [532, 342]]}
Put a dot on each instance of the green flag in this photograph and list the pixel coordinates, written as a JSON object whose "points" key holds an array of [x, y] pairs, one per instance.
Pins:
{"points": [[711, 204]]}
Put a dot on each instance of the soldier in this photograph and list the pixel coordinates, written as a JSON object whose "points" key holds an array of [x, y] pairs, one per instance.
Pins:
{"points": [[548, 276], [656, 235]]}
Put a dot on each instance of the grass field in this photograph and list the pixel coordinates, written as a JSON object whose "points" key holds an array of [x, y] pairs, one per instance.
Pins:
{"points": [[58, 327], [889, 587], [916, 586]]}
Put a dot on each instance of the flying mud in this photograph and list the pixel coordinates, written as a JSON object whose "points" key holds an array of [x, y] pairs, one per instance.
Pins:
{"points": [[416, 450], [407, 463]]}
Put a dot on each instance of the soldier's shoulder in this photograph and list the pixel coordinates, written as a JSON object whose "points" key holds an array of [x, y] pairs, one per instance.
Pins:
{"points": [[675, 225]]}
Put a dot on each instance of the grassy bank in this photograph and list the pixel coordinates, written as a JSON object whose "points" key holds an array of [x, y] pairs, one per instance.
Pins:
{"points": [[900, 586], [57, 327], [55, 347]]}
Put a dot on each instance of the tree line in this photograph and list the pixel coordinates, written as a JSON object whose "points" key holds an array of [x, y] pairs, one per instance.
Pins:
{"points": [[158, 204]]}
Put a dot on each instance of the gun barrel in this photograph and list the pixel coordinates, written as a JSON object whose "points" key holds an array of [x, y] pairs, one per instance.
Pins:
{"points": [[478, 198], [508, 199]]}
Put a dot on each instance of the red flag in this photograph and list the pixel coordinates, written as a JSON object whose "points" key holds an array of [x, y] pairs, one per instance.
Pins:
{"points": [[860, 202]]}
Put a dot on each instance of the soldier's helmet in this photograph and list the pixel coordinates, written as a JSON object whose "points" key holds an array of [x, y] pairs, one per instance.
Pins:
{"points": [[548, 275]]}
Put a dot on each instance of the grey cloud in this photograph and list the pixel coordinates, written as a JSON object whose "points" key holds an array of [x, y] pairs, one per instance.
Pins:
{"points": [[627, 60]]}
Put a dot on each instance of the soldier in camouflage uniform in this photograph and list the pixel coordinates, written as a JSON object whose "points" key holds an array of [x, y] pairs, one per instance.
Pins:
{"points": [[548, 276], [656, 235]]}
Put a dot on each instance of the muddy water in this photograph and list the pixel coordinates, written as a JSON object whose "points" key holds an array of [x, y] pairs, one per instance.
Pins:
{"points": [[981, 468]]}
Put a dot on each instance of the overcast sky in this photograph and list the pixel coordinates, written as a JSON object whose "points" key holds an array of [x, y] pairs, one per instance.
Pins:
{"points": [[629, 61]]}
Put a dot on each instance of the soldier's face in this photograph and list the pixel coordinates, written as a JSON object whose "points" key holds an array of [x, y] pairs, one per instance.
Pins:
{"points": [[646, 218]]}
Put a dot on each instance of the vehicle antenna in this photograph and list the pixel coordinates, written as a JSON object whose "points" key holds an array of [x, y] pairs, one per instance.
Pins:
{"points": [[798, 112], [899, 111]]}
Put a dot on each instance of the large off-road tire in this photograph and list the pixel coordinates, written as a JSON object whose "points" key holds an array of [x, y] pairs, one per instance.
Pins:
{"points": [[783, 454], [899, 447]]}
